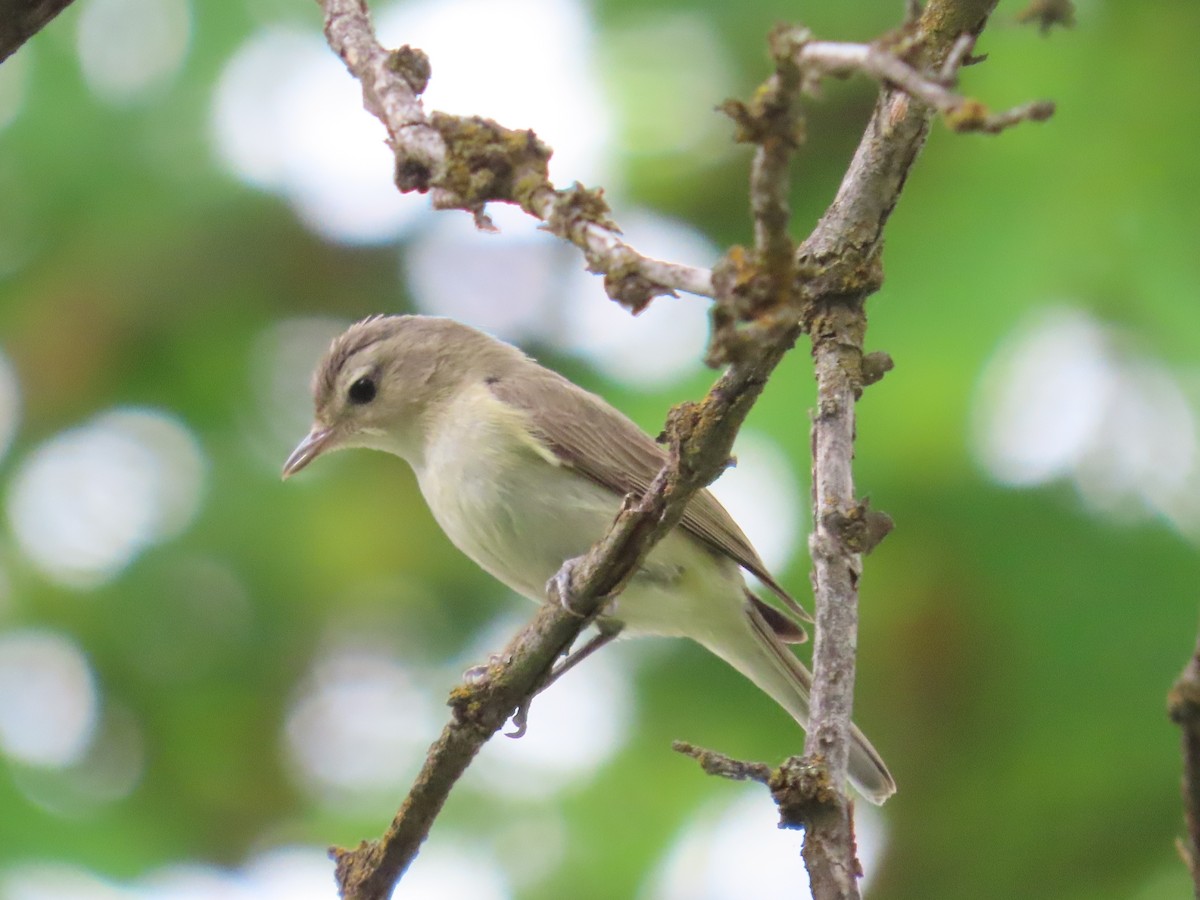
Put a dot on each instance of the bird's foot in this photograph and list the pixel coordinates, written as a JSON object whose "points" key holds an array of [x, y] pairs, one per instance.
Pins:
{"points": [[477, 675], [607, 630], [559, 588]]}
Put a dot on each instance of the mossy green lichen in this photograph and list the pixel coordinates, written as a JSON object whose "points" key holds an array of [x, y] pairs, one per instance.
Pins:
{"points": [[575, 207], [411, 64], [861, 529], [875, 365], [487, 162], [801, 787]]}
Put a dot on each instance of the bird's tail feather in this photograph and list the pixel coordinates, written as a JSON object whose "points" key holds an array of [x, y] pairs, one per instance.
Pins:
{"points": [[768, 662]]}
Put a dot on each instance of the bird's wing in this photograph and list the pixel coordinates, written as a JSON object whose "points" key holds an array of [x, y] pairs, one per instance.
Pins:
{"points": [[587, 434]]}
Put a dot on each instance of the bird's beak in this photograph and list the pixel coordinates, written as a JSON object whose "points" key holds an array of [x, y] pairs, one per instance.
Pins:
{"points": [[313, 445]]}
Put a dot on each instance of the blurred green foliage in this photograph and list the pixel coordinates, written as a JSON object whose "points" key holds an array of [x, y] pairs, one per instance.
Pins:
{"points": [[1016, 645]]}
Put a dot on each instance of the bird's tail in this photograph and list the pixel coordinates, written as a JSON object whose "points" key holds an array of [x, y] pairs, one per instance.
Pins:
{"points": [[759, 655]]}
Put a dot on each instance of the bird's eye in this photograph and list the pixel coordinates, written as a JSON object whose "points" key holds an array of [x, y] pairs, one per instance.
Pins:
{"points": [[362, 391]]}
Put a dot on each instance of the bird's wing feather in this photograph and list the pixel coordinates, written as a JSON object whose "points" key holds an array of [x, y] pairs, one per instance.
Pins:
{"points": [[601, 443]]}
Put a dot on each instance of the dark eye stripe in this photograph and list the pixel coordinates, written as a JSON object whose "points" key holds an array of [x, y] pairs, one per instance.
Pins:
{"points": [[362, 391]]}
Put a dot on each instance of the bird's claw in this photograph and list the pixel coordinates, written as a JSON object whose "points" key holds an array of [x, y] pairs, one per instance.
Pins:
{"points": [[520, 720]]}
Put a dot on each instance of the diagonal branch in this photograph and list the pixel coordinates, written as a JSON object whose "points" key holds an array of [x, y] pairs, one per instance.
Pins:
{"points": [[701, 437], [22, 19]]}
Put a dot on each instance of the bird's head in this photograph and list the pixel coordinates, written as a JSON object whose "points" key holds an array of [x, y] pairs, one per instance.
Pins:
{"points": [[380, 380]]}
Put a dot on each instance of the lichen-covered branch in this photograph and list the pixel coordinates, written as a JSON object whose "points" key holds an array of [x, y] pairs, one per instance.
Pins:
{"points": [[750, 284], [466, 162], [776, 128]]}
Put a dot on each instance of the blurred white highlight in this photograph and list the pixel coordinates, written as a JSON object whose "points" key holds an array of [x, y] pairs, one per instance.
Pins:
{"points": [[441, 872], [738, 850], [361, 724], [523, 63], [107, 772], [1067, 396], [666, 341], [129, 47], [87, 501], [287, 118], [48, 701], [509, 283]]}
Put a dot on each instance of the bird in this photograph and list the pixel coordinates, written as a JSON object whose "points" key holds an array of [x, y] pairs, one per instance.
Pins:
{"points": [[523, 470]]}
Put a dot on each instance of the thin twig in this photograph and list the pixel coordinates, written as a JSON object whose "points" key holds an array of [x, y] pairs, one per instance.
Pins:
{"points": [[723, 766], [778, 136], [958, 57], [820, 58]]}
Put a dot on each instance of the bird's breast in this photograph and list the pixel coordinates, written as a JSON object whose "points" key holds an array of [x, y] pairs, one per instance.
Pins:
{"points": [[504, 500]]}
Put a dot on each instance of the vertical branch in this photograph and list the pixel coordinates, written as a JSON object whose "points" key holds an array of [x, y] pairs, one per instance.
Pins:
{"points": [[777, 133], [1183, 705], [840, 267], [829, 846]]}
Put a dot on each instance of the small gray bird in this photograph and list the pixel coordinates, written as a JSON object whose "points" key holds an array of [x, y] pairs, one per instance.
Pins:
{"points": [[523, 469]]}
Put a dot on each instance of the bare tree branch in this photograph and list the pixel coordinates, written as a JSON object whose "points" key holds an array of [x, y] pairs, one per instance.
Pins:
{"points": [[1183, 705], [839, 262], [22, 19]]}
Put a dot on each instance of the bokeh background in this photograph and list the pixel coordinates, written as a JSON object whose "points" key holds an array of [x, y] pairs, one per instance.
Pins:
{"points": [[207, 676]]}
